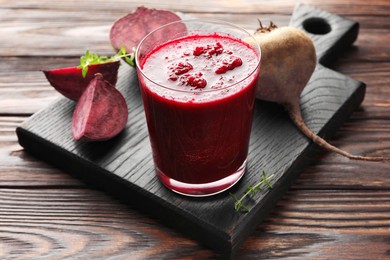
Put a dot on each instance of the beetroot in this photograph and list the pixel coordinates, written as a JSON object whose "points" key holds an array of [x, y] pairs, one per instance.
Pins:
{"points": [[129, 30], [288, 61], [101, 112], [71, 83]]}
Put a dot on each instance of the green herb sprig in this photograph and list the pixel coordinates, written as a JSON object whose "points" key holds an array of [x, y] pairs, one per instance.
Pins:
{"points": [[92, 58], [251, 191]]}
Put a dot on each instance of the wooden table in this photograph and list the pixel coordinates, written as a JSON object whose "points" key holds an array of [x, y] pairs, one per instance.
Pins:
{"points": [[337, 208]]}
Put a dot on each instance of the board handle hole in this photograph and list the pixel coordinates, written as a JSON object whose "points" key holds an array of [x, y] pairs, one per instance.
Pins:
{"points": [[317, 25]]}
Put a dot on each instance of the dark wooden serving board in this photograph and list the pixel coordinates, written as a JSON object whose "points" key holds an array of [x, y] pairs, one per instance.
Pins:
{"points": [[123, 166]]}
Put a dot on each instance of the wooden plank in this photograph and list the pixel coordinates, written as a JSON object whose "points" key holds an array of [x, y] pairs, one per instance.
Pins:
{"points": [[359, 7], [19, 169], [79, 223], [324, 225], [37, 31]]}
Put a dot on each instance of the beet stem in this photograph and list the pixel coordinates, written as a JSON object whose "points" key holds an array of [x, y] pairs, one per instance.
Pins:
{"points": [[295, 114]]}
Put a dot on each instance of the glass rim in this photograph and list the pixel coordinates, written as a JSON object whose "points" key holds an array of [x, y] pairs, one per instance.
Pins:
{"points": [[213, 21]]}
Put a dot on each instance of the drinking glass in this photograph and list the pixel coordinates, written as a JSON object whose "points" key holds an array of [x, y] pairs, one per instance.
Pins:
{"points": [[198, 79]]}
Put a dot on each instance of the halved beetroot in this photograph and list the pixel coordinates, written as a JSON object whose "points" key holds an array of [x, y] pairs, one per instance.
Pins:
{"points": [[101, 112], [129, 30], [70, 82]]}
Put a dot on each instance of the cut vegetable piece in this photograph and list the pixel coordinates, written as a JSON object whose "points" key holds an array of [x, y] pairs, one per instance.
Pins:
{"points": [[101, 112], [129, 30], [70, 82]]}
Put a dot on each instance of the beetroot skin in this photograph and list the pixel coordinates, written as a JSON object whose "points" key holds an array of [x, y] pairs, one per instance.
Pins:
{"points": [[70, 82], [288, 61], [129, 30], [101, 112]]}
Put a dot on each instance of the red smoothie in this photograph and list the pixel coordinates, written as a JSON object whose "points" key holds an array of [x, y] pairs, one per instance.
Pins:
{"points": [[198, 98]]}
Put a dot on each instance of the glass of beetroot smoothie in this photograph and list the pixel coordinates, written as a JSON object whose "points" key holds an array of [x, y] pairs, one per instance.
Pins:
{"points": [[198, 80]]}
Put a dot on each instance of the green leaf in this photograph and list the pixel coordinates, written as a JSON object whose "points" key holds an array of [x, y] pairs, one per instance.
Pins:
{"points": [[91, 58], [84, 71], [251, 191], [123, 50]]}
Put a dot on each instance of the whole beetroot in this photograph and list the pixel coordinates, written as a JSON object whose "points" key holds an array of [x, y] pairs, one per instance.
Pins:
{"points": [[287, 63], [101, 112]]}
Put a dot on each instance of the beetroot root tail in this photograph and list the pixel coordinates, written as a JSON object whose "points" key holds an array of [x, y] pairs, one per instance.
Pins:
{"points": [[296, 116]]}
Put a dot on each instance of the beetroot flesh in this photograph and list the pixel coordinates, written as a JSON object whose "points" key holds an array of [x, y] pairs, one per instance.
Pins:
{"points": [[129, 30], [71, 83], [101, 112]]}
